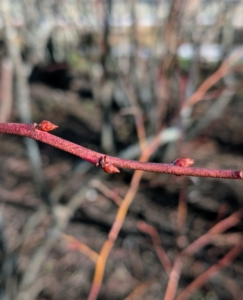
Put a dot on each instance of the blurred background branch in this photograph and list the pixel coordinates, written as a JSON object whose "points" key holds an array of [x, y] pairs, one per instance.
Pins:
{"points": [[113, 74]]}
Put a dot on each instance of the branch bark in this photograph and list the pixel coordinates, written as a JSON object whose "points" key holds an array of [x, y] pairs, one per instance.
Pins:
{"points": [[31, 131]]}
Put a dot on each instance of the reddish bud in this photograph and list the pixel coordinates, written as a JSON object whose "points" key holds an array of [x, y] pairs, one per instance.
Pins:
{"points": [[107, 167], [183, 162], [45, 126]]}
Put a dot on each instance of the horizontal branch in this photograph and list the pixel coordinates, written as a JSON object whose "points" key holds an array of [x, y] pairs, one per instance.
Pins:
{"points": [[111, 163]]}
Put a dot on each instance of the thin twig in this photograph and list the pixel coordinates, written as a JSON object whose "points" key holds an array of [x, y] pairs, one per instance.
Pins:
{"points": [[204, 277], [181, 210], [131, 95], [174, 278], [141, 289], [30, 131], [106, 191], [193, 248], [119, 220], [215, 77], [164, 259], [74, 244]]}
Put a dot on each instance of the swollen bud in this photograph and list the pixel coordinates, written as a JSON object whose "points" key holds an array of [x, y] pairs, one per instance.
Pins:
{"points": [[183, 162], [45, 126], [107, 167]]}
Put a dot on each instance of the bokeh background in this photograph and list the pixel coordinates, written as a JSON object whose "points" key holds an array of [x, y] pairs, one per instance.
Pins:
{"points": [[113, 75]]}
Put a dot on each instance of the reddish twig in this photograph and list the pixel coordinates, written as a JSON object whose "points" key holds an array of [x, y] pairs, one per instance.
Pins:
{"points": [[198, 244], [119, 220], [174, 278], [74, 244], [141, 289], [164, 259], [30, 130], [206, 238], [106, 191], [181, 211], [215, 77], [204, 277]]}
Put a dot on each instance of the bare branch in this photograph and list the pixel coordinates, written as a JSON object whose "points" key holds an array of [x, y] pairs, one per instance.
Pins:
{"points": [[30, 130]]}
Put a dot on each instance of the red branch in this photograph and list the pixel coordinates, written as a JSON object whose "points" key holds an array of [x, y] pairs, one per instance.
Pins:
{"points": [[142, 226], [30, 130], [204, 277]]}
